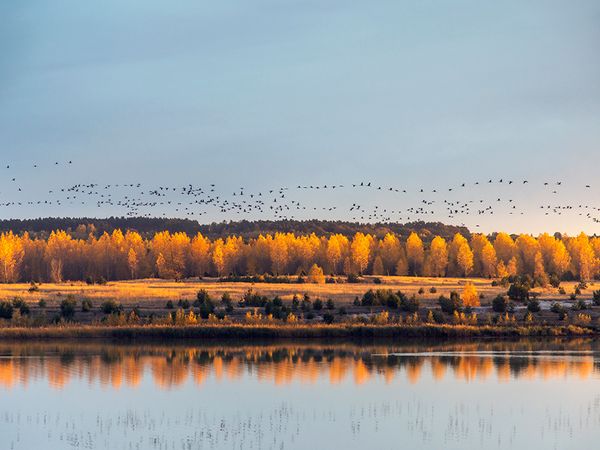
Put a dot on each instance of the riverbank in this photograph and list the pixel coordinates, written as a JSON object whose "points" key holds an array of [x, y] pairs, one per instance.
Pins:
{"points": [[265, 332]]}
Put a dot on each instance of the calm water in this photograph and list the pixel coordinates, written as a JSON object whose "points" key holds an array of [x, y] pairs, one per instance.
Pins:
{"points": [[526, 395]]}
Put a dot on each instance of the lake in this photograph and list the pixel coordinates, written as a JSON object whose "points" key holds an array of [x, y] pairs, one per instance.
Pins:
{"points": [[476, 395]]}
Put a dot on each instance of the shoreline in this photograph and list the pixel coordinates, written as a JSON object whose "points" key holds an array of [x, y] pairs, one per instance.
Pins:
{"points": [[286, 332]]}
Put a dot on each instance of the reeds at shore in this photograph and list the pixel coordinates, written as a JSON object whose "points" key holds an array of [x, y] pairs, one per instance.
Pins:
{"points": [[283, 331]]}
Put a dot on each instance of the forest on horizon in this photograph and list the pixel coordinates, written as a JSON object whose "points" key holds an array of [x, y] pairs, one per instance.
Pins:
{"points": [[147, 227]]}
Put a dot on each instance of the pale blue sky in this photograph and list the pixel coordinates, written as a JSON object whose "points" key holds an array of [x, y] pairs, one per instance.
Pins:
{"points": [[270, 93]]}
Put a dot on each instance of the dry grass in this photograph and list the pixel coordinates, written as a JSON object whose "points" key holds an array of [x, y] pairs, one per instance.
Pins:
{"points": [[154, 293], [282, 331]]}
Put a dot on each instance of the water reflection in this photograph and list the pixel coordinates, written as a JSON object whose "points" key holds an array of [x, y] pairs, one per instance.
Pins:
{"points": [[506, 395], [170, 367]]}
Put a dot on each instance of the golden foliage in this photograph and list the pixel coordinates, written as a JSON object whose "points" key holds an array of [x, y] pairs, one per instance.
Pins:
{"points": [[469, 295]]}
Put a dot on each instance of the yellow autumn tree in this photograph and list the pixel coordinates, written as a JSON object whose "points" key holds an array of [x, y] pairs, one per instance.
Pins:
{"points": [[378, 266], [58, 253], [504, 246], [199, 255], [402, 264], [336, 247], [390, 250], [464, 259], [438, 257], [11, 257], [539, 273], [454, 268], [469, 296], [360, 251], [218, 258], [583, 257], [527, 247], [555, 258], [132, 261], [488, 260], [478, 243], [316, 275], [279, 253], [415, 254]]}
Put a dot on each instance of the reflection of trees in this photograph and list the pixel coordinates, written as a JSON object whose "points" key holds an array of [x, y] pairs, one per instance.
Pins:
{"points": [[171, 367]]}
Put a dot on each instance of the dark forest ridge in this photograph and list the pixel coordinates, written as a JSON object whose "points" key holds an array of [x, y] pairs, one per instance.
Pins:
{"points": [[244, 228]]}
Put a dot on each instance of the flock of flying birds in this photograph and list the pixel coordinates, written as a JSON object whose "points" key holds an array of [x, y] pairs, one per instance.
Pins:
{"points": [[452, 203]]}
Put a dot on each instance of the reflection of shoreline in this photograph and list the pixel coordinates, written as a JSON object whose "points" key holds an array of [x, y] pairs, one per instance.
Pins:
{"points": [[171, 366]]}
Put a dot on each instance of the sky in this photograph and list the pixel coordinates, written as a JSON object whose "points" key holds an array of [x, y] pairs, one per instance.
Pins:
{"points": [[271, 93]]}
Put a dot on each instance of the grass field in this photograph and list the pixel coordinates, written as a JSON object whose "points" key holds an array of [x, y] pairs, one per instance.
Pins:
{"points": [[150, 298], [154, 293]]}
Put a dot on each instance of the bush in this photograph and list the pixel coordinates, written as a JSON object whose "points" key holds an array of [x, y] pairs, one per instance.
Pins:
{"points": [[518, 291], [562, 291], [42, 303], [201, 297], [86, 305], [206, 309], [438, 316], [318, 304], [377, 280], [276, 308], [204, 302], [580, 305], [185, 304], [421, 291], [227, 301], [573, 296], [353, 278], [306, 304], [295, 303], [19, 303], [596, 298], [250, 299], [393, 301], [369, 298], [33, 287], [328, 318], [342, 311], [67, 307], [110, 307], [494, 283], [169, 305], [500, 304], [554, 281], [6, 310], [533, 306], [433, 290], [450, 305], [410, 304], [330, 305], [384, 297], [557, 308]]}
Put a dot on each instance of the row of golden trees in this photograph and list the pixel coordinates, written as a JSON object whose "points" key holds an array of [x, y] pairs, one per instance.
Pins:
{"points": [[120, 256]]}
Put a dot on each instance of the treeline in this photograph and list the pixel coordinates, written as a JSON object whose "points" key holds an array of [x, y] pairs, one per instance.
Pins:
{"points": [[147, 227], [119, 256]]}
